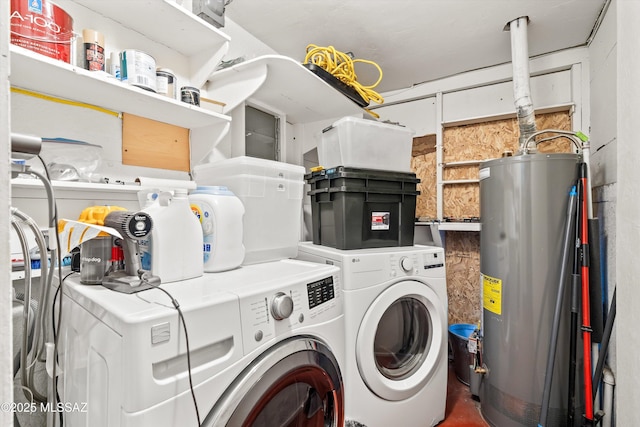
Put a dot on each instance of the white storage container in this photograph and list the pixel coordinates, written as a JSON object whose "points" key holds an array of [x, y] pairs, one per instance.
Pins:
{"points": [[365, 144], [271, 193]]}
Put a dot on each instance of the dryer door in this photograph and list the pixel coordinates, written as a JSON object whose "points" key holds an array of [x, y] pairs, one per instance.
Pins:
{"points": [[296, 383], [401, 340]]}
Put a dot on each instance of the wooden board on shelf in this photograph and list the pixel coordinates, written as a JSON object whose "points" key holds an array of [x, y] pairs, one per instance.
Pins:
{"points": [[423, 145], [460, 172], [154, 144], [424, 167], [461, 201]]}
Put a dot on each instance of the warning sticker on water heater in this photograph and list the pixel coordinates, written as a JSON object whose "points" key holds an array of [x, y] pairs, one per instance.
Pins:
{"points": [[380, 220], [492, 294]]}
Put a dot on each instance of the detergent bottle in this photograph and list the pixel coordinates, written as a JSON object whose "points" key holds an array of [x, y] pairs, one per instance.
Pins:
{"points": [[176, 238], [220, 214]]}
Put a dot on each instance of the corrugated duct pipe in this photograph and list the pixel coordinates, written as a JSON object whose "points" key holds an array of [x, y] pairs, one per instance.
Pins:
{"points": [[521, 88]]}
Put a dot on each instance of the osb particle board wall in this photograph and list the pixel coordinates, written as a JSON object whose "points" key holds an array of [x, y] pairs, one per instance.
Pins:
{"points": [[479, 141], [423, 162]]}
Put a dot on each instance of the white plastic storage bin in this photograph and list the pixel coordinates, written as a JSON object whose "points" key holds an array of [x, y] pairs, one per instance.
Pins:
{"points": [[272, 196], [365, 144]]}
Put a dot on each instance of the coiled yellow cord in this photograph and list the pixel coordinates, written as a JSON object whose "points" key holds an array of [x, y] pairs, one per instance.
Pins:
{"points": [[340, 65]]}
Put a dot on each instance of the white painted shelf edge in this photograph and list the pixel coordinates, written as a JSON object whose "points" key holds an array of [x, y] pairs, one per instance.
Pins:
{"points": [[100, 89], [460, 226], [19, 275], [163, 21], [460, 181], [32, 184], [462, 163], [288, 87]]}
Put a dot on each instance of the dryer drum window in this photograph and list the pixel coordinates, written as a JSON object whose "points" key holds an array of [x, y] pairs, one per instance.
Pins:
{"points": [[403, 338]]}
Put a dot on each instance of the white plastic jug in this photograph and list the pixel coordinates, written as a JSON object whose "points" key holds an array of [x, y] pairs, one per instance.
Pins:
{"points": [[176, 239], [220, 213]]}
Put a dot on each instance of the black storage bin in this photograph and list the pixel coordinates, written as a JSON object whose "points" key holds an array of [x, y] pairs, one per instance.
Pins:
{"points": [[362, 208]]}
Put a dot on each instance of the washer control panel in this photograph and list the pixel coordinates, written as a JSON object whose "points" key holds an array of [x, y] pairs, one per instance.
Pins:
{"points": [[269, 314], [406, 263], [320, 291], [281, 306]]}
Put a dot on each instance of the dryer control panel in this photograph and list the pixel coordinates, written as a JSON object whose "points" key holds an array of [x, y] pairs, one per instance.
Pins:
{"points": [[423, 263], [367, 266], [289, 309], [433, 260]]}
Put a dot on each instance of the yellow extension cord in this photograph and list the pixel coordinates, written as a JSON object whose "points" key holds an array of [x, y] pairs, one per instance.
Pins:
{"points": [[341, 66]]}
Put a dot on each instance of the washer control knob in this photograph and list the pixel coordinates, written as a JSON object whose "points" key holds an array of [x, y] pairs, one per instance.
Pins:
{"points": [[406, 263], [281, 306]]}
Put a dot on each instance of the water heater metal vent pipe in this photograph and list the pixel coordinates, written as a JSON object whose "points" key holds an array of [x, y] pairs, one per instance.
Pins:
{"points": [[521, 88]]}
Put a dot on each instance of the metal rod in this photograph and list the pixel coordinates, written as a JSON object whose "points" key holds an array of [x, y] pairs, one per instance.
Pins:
{"points": [[604, 347], [553, 343]]}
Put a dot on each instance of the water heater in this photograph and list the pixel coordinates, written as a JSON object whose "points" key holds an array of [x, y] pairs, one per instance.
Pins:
{"points": [[523, 206]]}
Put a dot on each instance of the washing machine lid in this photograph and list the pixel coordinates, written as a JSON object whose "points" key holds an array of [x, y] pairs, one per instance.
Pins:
{"points": [[122, 311], [297, 382], [119, 311], [401, 339]]}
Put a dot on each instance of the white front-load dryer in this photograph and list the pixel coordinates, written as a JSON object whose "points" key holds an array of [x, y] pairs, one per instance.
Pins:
{"points": [[266, 347], [396, 332]]}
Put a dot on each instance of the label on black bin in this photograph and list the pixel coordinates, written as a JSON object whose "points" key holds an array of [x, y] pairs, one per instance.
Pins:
{"points": [[380, 220]]}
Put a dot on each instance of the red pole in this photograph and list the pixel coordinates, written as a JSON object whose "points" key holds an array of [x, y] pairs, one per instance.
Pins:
{"points": [[586, 315]]}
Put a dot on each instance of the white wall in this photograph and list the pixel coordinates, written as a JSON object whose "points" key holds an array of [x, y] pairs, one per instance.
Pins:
{"points": [[604, 143], [602, 60], [419, 116], [558, 80], [628, 212], [6, 359]]}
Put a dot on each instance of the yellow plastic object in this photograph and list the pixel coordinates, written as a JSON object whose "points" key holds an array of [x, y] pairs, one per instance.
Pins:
{"points": [[317, 168], [96, 214]]}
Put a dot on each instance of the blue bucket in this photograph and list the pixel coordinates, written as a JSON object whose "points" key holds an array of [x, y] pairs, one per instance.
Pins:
{"points": [[459, 334]]}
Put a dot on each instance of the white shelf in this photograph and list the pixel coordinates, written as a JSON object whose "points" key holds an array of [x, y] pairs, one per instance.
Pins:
{"points": [[462, 163], [19, 275], [281, 83], [26, 188], [167, 23], [69, 82], [163, 21], [461, 181], [460, 226]]}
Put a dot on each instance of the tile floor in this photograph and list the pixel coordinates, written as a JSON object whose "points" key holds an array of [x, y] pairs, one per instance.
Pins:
{"points": [[462, 409]]}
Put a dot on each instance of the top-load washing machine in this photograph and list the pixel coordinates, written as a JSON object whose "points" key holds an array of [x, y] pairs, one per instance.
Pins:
{"points": [[395, 304], [265, 349]]}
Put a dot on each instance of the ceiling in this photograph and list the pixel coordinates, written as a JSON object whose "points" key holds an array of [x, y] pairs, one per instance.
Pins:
{"points": [[415, 41]]}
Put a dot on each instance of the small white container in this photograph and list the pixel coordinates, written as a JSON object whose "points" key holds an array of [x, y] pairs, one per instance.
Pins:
{"points": [[220, 213], [176, 238], [271, 193], [365, 144], [166, 83]]}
